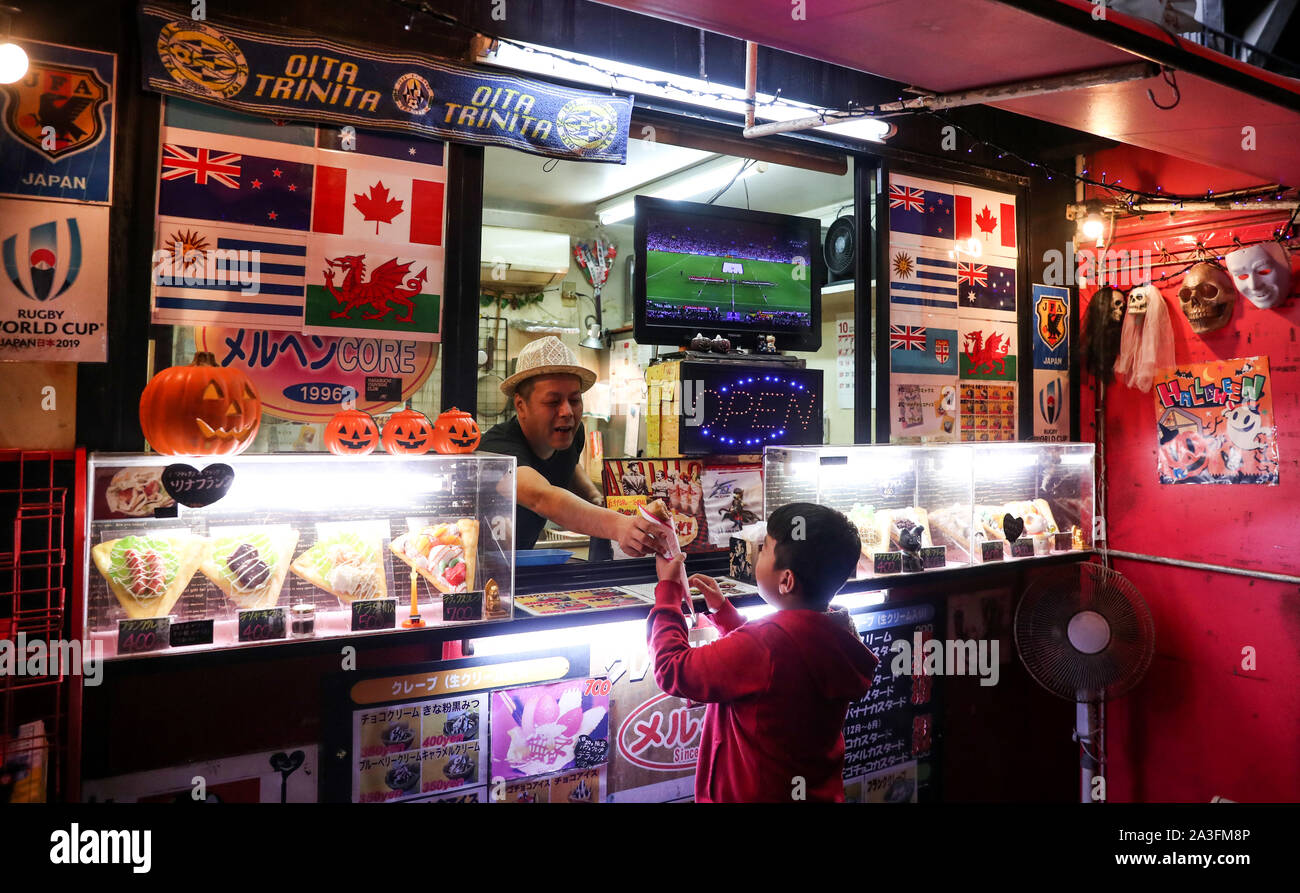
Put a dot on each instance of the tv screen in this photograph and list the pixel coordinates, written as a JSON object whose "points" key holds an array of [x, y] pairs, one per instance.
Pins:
{"points": [[738, 273]]}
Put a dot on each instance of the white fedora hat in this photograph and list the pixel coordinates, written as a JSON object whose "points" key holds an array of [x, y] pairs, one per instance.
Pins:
{"points": [[546, 356]]}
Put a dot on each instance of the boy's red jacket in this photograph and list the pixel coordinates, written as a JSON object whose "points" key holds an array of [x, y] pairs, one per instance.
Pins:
{"points": [[778, 689]]}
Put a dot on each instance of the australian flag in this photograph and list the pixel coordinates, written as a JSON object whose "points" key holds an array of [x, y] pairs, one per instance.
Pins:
{"points": [[209, 183], [985, 286], [920, 211], [401, 146]]}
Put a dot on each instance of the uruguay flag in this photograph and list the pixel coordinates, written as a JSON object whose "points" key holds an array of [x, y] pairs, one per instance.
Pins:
{"points": [[920, 208], [922, 277]]}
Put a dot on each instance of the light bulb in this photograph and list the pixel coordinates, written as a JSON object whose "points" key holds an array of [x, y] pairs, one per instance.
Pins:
{"points": [[13, 63], [1093, 227]]}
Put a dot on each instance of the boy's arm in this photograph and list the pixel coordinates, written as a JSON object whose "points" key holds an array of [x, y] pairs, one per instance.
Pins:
{"points": [[730, 668]]}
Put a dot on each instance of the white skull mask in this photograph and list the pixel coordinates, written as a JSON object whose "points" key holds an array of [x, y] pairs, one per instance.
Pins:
{"points": [[1140, 297], [1116, 305], [1262, 273], [1207, 298]]}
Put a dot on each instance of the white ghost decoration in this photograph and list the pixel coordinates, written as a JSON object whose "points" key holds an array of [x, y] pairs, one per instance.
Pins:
{"points": [[1147, 339], [1262, 273]]}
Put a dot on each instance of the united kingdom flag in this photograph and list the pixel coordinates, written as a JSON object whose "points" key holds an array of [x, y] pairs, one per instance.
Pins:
{"points": [[906, 197], [180, 162], [972, 274], [907, 337]]}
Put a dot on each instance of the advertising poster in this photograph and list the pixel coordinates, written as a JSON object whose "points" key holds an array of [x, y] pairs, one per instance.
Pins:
{"points": [[544, 729], [923, 407], [54, 294], [414, 749], [844, 371], [703, 499], [988, 412], [305, 378], [656, 742], [1215, 423], [1051, 323], [56, 140], [1051, 405]]}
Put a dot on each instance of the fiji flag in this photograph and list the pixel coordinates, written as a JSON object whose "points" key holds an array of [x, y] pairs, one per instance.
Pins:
{"points": [[212, 183], [985, 286], [920, 208], [924, 350]]}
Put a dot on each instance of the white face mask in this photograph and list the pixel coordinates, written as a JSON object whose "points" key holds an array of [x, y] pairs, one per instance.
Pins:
{"points": [[1262, 273]]}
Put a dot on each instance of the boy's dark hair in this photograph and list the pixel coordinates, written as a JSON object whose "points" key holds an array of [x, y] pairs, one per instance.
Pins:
{"points": [[819, 545]]}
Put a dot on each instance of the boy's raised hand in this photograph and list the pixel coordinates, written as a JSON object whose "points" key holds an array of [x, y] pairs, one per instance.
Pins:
{"points": [[713, 596], [675, 570]]}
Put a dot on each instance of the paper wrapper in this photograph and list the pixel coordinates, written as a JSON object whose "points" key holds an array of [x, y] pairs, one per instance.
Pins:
{"points": [[674, 548]]}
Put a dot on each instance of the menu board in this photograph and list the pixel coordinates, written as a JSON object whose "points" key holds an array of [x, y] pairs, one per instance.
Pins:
{"points": [[895, 723]]}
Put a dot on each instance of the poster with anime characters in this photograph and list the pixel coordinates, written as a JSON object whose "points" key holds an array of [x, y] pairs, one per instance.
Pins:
{"points": [[1215, 423]]}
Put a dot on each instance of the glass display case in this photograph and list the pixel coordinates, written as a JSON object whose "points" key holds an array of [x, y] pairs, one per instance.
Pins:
{"points": [[282, 547], [941, 506]]}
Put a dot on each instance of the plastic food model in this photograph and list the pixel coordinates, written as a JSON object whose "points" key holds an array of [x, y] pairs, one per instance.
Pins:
{"points": [[351, 432], [455, 431], [408, 433], [250, 566], [1207, 298], [1262, 273], [148, 573], [346, 564], [200, 410], [444, 554]]}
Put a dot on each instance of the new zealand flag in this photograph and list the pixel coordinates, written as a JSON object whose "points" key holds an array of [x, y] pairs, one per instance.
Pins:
{"points": [[920, 210], [214, 184]]}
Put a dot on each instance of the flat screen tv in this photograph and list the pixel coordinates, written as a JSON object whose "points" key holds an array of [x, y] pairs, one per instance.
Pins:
{"points": [[705, 269]]}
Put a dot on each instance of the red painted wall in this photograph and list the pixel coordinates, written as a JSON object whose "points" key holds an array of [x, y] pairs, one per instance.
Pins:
{"points": [[1199, 724]]}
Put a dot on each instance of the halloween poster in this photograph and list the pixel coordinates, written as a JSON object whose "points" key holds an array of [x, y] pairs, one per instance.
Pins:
{"points": [[1215, 423]]}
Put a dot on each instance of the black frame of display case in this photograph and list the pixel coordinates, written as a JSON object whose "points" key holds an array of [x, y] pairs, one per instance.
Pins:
{"points": [[569, 577]]}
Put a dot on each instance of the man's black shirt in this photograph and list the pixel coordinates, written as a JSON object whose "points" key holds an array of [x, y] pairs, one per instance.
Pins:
{"points": [[508, 439]]}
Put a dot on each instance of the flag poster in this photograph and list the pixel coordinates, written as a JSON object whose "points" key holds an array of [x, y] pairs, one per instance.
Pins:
{"points": [[988, 350], [923, 343], [1051, 322], [920, 212], [274, 228], [56, 135], [1215, 423], [988, 218], [922, 277]]}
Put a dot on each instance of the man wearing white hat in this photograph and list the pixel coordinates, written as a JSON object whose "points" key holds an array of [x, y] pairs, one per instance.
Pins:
{"points": [[546, 438]]}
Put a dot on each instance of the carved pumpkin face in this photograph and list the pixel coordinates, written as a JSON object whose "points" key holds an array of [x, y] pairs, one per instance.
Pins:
{"points": [[200, 410], [351, 433], [408, 433], [455, 432]]}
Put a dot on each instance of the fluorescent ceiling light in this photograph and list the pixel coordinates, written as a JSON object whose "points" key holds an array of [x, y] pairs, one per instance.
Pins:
{"points": [[606, 73], [700, 180]]}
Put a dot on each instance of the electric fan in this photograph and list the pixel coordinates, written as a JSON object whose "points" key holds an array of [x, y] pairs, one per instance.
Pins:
{"points": [[1085, 634], [839, 248]]}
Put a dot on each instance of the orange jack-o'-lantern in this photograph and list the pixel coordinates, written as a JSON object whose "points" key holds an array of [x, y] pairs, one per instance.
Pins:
{"points": [[351, 433], [455, 431], [200, 410], [408, 433]]}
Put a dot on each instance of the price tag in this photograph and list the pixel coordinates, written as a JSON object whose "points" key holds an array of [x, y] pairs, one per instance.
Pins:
{"points": [[260, 624], [191, 632], [138, 636], [934, 556], [462, 605], [888, 563], [1063, 542], [194, 488], [991, 550], [374, 613], [1022, 548]]}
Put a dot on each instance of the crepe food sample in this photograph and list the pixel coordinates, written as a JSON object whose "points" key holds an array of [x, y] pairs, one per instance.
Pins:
{"points": [[137, 492], [444, 554], [346, 562], [950, 527], [250, 565], [1036, 514], [148, 573]]}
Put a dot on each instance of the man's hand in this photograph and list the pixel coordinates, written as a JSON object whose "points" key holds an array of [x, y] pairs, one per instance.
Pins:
{"points": [[713, 596], [638, 537]]}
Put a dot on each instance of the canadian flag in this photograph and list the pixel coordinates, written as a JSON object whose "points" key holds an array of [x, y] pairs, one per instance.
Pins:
{"points": [[987, 216], [386, 204]]}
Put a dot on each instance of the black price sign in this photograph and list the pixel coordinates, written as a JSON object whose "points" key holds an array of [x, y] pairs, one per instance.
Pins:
{"points": [[374, 613], [1022, 548], [137, 636], [191, 632], [383, 388], [934, 556], [888, 563], [260, 624], [1064, 542], [462, 605], [194, 488], [991, 550]]}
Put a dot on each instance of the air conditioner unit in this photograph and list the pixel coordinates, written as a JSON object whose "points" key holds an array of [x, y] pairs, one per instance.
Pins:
{"points": [[522, 260]]}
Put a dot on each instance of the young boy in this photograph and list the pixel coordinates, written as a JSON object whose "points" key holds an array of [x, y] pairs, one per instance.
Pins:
{"points": [[777, 688]]}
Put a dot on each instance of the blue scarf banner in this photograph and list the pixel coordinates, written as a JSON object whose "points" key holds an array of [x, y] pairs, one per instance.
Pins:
{"points": [[312, 79]]}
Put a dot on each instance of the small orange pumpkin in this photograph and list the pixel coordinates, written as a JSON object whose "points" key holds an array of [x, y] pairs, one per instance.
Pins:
{"points": [[408, 433], [455, 431], [351, 432], [200, 410]]}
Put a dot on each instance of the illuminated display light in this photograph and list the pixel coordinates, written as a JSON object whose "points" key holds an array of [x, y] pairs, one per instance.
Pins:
{"points": [[767, 391]]}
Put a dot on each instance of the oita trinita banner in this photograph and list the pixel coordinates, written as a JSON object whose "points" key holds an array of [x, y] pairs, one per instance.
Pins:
{"points": [[310, 79]]}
